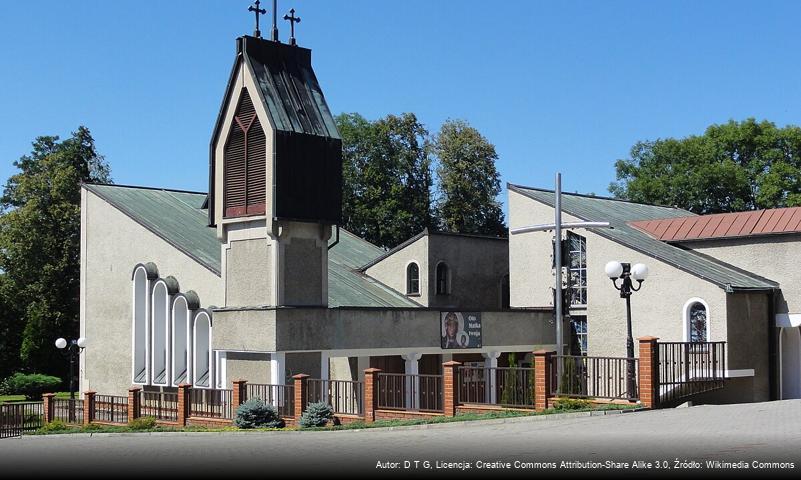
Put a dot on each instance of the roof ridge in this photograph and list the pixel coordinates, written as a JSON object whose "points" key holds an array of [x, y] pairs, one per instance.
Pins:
{"points": [[142, 187], [515, 187]]}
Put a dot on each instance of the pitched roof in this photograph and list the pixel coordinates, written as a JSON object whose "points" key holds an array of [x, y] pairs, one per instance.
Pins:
{"points": [[619, 213], [178, 218], [723, 225]]}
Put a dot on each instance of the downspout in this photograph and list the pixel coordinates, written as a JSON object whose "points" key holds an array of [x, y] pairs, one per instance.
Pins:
{"points": [[773, 364], [335, 241]]}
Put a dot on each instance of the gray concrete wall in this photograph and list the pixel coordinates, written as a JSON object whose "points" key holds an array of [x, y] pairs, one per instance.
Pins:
{"points": [[391, 271], [477, 267], [294, 329], [747, 341], [106, 289], [774, 257], [303, 270], [308, 363], [253, 367], [249, 272]]}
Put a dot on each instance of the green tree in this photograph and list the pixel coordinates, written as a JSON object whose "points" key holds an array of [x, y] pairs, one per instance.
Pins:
{"points": [[40, 226], [735, 166], [469, 183], [386, 177]]}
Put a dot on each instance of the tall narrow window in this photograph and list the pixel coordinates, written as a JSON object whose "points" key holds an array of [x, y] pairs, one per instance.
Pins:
{"points": [[181, 344], [160, 334], [141, 327], [202, 350], [244, 164], [412, 279], [442, 275], [578, 324], [577, 268], [698, 325]]}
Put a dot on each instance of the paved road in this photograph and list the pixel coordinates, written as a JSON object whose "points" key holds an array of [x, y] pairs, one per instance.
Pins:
{"points": [[762, 432]]}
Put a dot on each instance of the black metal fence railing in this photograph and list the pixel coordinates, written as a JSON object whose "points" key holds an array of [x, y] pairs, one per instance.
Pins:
{"points": [[344, 396], [689, 368], [282, 397], [159, 405], [111, 409], [503, 386], [594, 377], [68, 410], [20, 417], [210, 403], [398, 391]]}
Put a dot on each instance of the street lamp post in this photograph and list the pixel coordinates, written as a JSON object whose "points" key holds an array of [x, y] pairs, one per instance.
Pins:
{"points": [[625, 273], [72, 350]]}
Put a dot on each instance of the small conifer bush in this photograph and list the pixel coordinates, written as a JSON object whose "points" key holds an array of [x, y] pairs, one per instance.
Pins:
{"points": [[254, 413], [316, 415]]}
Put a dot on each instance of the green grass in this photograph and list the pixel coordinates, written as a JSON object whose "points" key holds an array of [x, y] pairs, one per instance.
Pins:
{"points": [[21, 398], [467, 417]]}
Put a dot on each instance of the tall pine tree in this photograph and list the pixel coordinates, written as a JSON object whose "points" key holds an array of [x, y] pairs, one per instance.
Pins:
{"points": [[469, 183], [40, 232]]}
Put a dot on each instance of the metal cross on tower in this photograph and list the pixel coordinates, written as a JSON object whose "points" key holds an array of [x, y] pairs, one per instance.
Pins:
{"points": [[292, 21], [257, 11]]}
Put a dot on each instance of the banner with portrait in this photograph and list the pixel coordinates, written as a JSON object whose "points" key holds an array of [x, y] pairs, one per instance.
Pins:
{"points": [[460, 330]]}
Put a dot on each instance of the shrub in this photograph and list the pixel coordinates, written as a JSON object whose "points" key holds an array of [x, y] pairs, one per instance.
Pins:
{"points": [[142, 423], [32, 385], [256, 414], [316, 415], [54, 426], [566, 404]]}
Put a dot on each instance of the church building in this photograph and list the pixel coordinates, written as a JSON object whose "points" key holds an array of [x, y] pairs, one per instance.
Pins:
{"points": [[255, 279]]}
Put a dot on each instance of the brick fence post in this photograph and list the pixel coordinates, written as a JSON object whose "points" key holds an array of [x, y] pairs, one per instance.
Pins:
{"points": [[542, 378], [370, 393], [301, 394], [88, 407], [239, 395], [134, 403], [184, 401], [48, 407], [450, 392], [649, 372]]}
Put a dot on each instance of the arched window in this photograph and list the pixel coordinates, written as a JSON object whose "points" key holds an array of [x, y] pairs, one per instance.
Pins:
{"points": [[201, 370], [412, 279], [140, 329], [160, 333], [443, 280], [180, 369], [696, 318]]}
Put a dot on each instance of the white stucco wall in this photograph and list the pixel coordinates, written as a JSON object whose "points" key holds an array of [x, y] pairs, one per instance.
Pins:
{"points": [[106, 288], [391, 271]]}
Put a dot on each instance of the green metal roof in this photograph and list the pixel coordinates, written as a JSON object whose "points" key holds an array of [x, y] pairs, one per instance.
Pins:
{"points": [[178, 217], [619, 212]]}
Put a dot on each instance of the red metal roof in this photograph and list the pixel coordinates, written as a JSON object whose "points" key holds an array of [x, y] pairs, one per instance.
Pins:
{"points": [[723, 225]]}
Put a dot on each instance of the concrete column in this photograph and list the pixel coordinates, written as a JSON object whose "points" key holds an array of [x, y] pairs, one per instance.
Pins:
{"points": [[277, 373], [490, 376], [412, 382], [325, 365]]}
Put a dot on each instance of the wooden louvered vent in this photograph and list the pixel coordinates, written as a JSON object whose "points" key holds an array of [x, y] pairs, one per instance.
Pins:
{"points": [[245, 163]]}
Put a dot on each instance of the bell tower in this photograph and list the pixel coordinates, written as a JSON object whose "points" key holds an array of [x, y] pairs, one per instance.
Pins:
{"points": [[275, 169]]}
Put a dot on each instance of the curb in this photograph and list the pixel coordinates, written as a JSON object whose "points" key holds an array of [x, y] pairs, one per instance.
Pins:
{"points": [[426, 426]]}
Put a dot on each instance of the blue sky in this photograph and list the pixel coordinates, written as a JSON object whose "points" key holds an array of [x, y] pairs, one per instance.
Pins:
{"points": [[561, 85]]}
